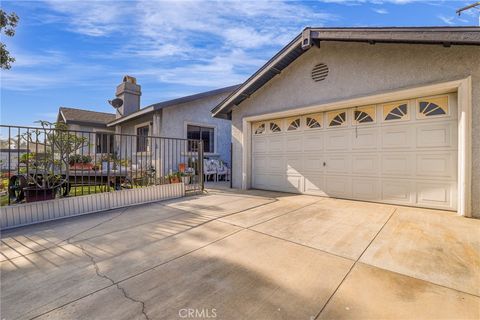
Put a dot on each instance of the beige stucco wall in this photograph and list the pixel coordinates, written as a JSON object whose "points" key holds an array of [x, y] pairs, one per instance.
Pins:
{"points": [[173, 121], [358, 69], [176, 118]]}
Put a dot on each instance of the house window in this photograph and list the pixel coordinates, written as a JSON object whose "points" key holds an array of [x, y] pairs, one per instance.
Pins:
{"points": [[142, 139], [205, 134], [104, 142]]}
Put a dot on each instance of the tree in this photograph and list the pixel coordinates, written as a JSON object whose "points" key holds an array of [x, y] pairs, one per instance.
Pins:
{"points": [[8, 22]]}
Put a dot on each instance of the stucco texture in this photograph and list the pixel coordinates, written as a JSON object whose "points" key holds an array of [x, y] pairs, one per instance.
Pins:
{"points": [[358, 69], [173, 121]]}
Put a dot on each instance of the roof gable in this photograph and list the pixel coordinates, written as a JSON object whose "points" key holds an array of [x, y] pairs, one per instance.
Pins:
{"points": [[73, 115], [309, 37]]}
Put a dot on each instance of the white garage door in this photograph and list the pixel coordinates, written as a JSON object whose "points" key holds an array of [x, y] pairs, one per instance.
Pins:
{"points": [[402, 152]]}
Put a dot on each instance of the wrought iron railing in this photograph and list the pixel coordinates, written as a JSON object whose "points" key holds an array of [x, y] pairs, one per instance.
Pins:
{"points": [[51, 162]]}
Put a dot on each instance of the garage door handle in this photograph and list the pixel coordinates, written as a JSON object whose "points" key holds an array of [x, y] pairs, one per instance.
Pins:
{"points": [[324, 163]]}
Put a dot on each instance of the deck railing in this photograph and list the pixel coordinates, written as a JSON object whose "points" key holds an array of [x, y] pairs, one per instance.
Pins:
{"points": [[50, 162]]}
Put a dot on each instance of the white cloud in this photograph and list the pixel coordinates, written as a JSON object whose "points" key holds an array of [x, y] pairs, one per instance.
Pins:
{"points": [[380, 11], [92, 18], [198, 43], [447, 20]]}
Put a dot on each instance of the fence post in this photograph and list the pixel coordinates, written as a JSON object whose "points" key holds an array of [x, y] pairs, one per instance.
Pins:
{"points": [[200, 159]]}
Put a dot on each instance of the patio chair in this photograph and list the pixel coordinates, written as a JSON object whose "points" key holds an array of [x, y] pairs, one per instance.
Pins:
{"points": [[209, 170], [222, 170]]}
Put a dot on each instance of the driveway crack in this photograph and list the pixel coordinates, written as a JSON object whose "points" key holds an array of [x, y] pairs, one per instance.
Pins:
{"points": [[104, 276]]}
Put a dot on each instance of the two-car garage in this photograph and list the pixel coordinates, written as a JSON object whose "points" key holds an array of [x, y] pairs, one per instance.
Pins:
{"points": [[399, 152]]}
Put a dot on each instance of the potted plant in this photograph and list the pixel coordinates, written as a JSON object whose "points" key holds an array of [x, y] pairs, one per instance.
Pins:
{"points": [[43, 189], [49, 172], [165, 180], [185, 177], [108, 162], [80, 162], [175, 177]]}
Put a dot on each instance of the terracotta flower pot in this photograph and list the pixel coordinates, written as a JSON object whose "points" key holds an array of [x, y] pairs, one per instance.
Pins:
{"points": [[82, 166], [174, 179]]}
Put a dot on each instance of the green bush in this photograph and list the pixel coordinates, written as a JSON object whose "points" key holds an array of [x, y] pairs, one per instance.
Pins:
{"points": [[78, 158]]}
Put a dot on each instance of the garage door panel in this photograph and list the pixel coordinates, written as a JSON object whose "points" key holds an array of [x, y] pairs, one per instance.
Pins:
{"points": [[260, 163], [314, 184], [436, 136], [436, 165], [313, 163], [365, 164], [261, 181], [400, 164], [398, 191], [313, 141], [338, 186], [434, 194], [294, 183], [275, 164], [337, 140], [365, 139], [365, 188], [260, 145], [293, 143], [294, 164], [406, 156], [397, 137], [338, 163], [275, 143]]}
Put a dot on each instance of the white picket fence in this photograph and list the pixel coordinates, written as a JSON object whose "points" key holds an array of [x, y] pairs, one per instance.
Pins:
{"points": [[30, 213]]}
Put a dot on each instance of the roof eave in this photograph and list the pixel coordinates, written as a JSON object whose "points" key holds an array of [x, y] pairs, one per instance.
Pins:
{"points": [[137, 114], [414, 35], [262, 71]]}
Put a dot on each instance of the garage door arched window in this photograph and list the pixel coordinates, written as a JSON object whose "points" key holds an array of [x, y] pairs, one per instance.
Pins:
{"points": [[294, 124], [260, 128], [313, 121], [430, 107], [364, 115], [396, 111], [274, 127], [337, 118]]}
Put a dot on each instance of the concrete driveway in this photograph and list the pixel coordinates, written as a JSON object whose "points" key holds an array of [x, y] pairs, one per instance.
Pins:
{"points": [[245, 255]]}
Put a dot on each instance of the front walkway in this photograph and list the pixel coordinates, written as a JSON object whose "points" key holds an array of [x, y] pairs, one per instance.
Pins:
{"points": [[245, 255]]}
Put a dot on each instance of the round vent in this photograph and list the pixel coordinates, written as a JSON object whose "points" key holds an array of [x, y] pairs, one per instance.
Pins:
{"points": [[319, 72]]}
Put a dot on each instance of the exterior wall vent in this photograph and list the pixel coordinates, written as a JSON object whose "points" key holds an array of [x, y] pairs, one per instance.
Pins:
{"points": [[319, 72]]}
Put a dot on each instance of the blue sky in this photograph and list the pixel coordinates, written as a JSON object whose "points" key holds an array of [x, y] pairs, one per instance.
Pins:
{"points": [[74, 53]]}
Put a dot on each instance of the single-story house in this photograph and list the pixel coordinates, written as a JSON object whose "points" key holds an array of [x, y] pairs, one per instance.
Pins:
{"points": [[388, 115], [185, 117]]}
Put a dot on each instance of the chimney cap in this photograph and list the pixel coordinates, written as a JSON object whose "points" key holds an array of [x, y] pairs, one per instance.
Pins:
{"points": [[130, 79]]}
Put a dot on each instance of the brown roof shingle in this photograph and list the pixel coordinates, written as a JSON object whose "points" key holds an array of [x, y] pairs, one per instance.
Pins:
{"points": [[72, 115]]}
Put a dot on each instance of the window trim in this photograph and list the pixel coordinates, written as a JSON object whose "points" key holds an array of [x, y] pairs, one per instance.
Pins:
{"points": [[150, 127], [362, 109], [205, 125], [337, 112], [321, 120], [102, 133], [420, 116], [397, 104]]}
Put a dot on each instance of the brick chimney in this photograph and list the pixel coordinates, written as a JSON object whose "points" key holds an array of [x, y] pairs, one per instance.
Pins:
{"points": [[129, 91]]}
